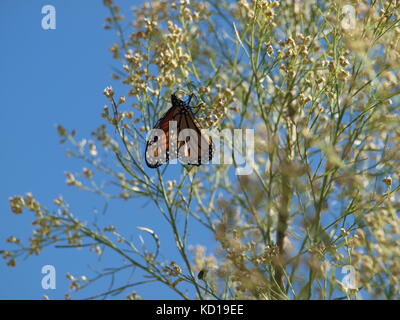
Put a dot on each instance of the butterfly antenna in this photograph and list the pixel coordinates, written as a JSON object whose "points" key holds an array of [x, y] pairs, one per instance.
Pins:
{"points": [[190, 98]]}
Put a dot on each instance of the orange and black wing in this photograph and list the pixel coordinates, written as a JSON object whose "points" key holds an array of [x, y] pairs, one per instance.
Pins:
{"points": [[196, 147], [157, 147]]}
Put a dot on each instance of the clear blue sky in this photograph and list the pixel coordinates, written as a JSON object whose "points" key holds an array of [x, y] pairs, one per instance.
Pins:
{"points": [[51, 77]]}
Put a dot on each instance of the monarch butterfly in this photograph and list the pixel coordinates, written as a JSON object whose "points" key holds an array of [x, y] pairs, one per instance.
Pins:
{"points": [[165, 143]]}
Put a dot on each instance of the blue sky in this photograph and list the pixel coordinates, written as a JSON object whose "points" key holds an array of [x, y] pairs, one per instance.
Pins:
{"points": [[51, 77]]}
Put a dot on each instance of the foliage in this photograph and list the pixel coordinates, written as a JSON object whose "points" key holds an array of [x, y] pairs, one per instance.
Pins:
{"points": [[322, 97]]}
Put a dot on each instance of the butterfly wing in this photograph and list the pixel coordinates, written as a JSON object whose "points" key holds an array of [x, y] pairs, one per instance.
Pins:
{"points": [[157, 147], [196, 147]]}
